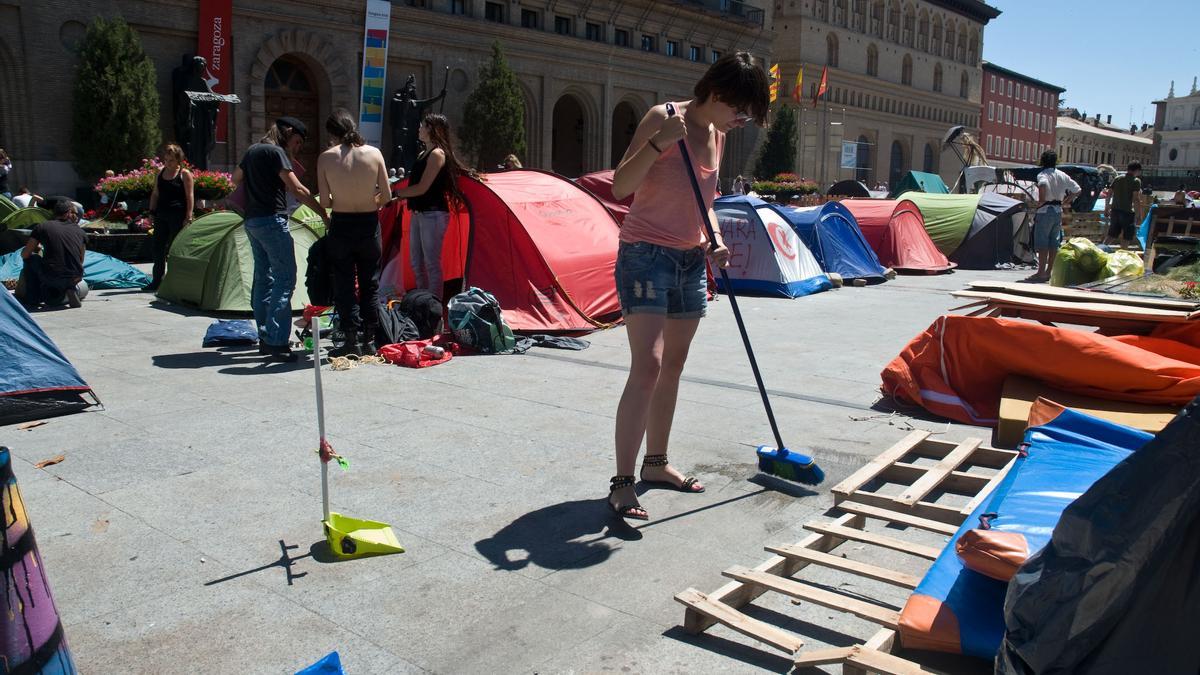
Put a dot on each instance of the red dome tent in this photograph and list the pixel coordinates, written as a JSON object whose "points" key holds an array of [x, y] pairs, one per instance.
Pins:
{"points": [[895, 230], [599, 183], [545, 247]]}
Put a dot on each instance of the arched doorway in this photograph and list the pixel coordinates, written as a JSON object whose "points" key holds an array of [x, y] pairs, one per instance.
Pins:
{"points": [[566, 150], [624, 123], [862, 171], [291, 89], [930, 163], [896, 170]]}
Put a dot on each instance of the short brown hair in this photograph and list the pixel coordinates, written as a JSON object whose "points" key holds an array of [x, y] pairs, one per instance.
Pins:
{"points": [[736, 80], [173, 151]]}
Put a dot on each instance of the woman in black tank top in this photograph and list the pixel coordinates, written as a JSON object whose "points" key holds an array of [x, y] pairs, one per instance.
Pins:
{"points": [[171, 203], [432, 188]]}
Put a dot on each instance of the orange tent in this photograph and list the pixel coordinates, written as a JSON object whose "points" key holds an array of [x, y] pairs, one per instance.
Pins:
{"points": [[957, 367], [895, 230]]}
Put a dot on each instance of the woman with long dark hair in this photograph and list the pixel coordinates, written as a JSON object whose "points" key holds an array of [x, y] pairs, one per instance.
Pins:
{"points": [[431, 190], [171, 202]]}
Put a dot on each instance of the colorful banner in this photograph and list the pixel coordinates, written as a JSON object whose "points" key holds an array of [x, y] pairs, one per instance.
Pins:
{"points": [[849, 155], [823, 86], [798, 91], [374, 71], [215, 45], [774, 82]]}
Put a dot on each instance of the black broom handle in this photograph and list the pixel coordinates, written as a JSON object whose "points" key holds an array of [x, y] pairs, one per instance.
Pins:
{"points": [[737, 313]]}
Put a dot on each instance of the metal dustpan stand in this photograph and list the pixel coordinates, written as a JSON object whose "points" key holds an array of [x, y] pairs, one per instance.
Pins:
{"points": [[347, 537]]}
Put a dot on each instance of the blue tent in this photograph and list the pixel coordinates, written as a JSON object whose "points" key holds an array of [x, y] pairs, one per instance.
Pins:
{"points": [[36, 380], [831, 233], [766, 256], [99, 270]]}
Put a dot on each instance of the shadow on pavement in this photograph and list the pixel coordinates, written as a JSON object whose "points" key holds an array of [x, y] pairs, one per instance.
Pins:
{"points": [[752, 656], [236, 361], [557, 537]]}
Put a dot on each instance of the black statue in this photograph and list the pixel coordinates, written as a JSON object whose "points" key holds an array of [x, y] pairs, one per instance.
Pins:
{"points": [[195, 121], [406, 112]]}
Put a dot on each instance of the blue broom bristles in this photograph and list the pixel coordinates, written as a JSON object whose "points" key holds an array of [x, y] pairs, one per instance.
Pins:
{"points": [[789, 465]]}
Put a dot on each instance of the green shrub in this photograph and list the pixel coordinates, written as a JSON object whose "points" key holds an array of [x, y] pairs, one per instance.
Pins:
{"points": [[494, 117]]}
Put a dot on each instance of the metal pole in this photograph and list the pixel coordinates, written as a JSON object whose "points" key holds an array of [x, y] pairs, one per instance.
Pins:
{"points": [[316, 330]]}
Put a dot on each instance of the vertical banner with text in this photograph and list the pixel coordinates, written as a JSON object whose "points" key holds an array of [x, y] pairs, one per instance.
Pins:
{"points": [[216, 23], [374, 71]]}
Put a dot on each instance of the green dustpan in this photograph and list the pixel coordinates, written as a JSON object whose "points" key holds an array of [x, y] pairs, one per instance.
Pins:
{"points": [[347, 537]]}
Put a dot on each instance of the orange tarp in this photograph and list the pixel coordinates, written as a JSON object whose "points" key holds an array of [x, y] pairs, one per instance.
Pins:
{"points": [[956, 368]]}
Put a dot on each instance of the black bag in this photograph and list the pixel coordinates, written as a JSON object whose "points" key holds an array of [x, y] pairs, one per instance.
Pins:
{"points": [[424, 309], [318, 275], [394, 325]]}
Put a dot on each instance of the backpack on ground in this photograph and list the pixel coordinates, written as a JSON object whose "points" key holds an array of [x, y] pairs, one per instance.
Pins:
{"points": [[477, 323], [424, 309], [318, 275], [395, 326]]}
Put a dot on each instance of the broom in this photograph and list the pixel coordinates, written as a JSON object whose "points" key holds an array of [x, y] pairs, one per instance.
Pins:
{"points": [[777, 461]]}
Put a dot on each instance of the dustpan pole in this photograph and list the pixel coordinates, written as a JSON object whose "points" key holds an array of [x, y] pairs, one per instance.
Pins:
{"points": [[316, 331]]}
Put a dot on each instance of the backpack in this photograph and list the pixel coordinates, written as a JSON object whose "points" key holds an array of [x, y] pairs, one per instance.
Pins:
{"points": [[318, 275], [395, 326], [424, 309], [477, 323]]}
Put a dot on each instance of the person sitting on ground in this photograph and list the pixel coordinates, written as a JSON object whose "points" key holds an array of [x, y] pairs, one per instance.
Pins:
{"points": [[25, 199], [1055, 190], [512, 162], [6, 167], [266, 171], [58, 271], [1180, 198], [352, 181], [1123, 200]]}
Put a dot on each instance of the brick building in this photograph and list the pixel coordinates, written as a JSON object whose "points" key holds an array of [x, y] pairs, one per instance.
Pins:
{"points": [[1018, 120], [589, 70], [901, 73]]}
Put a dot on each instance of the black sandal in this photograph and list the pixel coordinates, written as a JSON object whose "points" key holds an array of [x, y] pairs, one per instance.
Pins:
{"points": [[688, 485], [629, 510]]}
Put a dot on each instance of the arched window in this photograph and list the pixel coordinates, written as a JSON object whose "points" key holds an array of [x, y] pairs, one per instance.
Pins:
{"points": [[964, 85], [893, 23], [821, 9], [906, 71], [935, 44], [877, 18], [862, 168], [839, 12], [831, 51], [910, 26], [962, 45], [948, 47], [930, 163], [923, 31], [973, 50], [937, 77], [896, 168], [872, 60]]}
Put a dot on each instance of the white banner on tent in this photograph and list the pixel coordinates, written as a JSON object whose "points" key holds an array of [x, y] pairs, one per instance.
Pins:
{"points": [[849, 155]]}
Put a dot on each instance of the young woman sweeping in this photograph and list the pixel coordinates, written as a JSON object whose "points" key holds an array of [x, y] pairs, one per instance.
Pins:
{"points": [[660, 271]]}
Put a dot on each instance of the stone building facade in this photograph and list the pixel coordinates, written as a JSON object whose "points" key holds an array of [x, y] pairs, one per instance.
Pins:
{"points": [[901, 74], [1093, 142], [1018, 115], [1177, 134], [588, 70]]}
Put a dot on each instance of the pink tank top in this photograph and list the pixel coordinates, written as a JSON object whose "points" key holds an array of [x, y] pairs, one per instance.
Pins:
{"points": [[664, 210]]}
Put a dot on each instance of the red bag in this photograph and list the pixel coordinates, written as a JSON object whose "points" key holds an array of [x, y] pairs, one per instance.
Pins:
{"points": [[412, 354]]}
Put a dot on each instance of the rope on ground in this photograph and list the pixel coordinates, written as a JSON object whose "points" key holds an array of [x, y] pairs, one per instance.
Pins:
{"points": [[351, 361]]}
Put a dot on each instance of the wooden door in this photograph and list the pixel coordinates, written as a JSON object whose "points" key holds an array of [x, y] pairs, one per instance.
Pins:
{"points": [[291, 90]]}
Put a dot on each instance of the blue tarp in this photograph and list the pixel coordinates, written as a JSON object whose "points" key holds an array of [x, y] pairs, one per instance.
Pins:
{"points": [[31, 367], [99, 270], [1065, 457], [831, 233]]}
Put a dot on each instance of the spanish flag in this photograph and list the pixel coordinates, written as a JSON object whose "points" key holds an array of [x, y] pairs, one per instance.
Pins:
{"points": [[797, 91], [823, 86], [774, 82]]}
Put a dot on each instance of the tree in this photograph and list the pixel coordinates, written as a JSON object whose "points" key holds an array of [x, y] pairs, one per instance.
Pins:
{"points": [[778, 154], [494, 118], [115, 120]]}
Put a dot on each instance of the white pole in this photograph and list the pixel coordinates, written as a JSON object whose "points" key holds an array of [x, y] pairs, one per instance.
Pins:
{"points": [[316, 331]]}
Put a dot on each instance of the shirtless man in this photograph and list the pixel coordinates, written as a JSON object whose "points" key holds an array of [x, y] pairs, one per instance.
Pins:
{"points": [[353, 182]]}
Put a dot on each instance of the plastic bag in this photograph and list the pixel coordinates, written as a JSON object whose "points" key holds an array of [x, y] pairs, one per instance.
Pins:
{"points": [[1078, 261], [1123, 263]]}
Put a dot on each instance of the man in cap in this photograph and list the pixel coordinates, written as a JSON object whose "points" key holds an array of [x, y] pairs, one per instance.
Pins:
{"points": [[266, 172]]}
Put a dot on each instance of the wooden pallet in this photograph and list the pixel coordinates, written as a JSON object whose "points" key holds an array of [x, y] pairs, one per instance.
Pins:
{"points": [[918, 506]]}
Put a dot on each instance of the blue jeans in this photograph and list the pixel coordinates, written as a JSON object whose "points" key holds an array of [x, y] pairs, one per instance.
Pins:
{"points": [[274, 277], [1047, 228], [426, 234], [660, 280]]}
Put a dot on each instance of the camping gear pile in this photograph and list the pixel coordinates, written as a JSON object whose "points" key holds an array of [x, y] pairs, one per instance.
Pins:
{"points": [[1080, 261]]}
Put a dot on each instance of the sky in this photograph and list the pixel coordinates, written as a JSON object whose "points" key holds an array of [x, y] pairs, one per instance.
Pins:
{"points": [[1109, 55]]}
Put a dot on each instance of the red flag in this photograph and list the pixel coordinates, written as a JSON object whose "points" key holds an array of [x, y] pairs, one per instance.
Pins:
{"points": [[823, 86]]}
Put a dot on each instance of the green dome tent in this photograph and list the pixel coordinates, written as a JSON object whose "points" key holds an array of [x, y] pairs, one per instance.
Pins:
{"points": [[24, 219], [975, 231], [210, 264], [919, 181], [7, 206]]}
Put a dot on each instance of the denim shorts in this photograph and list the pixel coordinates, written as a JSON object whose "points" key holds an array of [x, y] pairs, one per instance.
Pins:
{"points": [[660, 280], [1047, 228]]}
